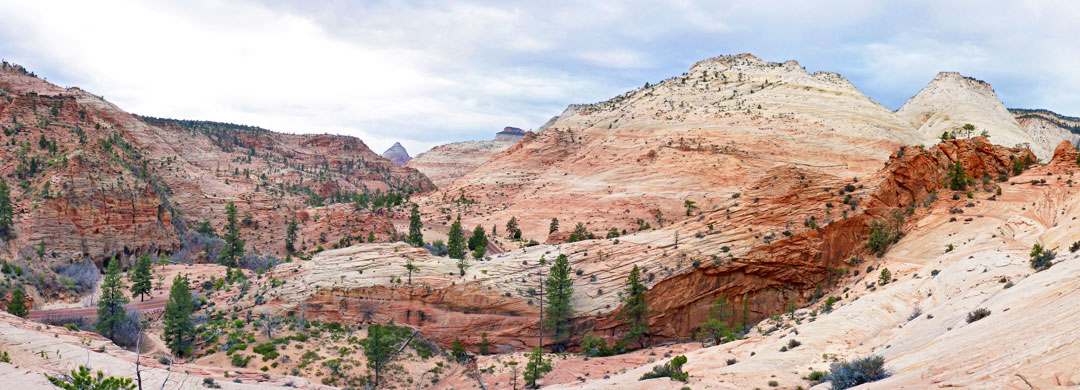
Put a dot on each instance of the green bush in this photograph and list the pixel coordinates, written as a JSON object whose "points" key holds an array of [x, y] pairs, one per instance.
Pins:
{"points": [[672, 369], [849, 374], [592, 345], [978, 314], [239, 360]]}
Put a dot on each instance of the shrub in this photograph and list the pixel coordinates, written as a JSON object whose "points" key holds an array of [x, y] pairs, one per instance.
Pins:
{"points": [[883, 234], [885, 277], [816, 376], [83, 274], [239, 360], [978, 314], [1041, 259], [592, 345], [844, 375], [672, 369]]}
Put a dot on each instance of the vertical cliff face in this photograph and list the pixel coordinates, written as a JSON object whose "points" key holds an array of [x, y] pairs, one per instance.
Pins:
{"points": [[951, 100], [1048, 127], [397, 154]]}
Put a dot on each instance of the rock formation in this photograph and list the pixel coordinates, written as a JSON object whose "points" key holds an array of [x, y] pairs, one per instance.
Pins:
{"points": [[951, 100], [397, 154], [444, 164], [1048, 127]]}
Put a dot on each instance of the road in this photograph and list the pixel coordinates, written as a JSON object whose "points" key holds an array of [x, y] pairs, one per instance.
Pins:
{"points": [[92, 311]]}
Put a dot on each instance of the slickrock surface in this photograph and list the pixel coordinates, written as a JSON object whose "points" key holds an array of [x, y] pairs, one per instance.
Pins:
{"points": [[951, 100], [397, 154], [446, 163]]}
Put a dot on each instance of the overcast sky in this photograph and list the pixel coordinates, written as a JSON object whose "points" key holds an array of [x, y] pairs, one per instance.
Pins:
{"points": [[430, 72]]}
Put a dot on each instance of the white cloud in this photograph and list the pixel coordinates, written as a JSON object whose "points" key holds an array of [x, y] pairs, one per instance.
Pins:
{"points": [[429, 72]]}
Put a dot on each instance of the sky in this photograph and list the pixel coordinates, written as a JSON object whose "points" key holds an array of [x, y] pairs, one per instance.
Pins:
{"points": [[430, 72]]}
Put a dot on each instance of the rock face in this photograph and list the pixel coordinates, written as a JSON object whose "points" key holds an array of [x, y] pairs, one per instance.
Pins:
{"points": [[951, 100], [509, 134], [1048, 127], [92, 181], [397, 154], [446, 163]]}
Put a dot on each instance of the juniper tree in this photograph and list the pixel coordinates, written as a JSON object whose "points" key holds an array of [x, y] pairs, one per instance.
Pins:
{"points": [[17, 306], [111, 303], [554, 227], [636, 310], [140, 278], [560, 310], [179, 329], [719, 330], [416, 236], [234, 246]]}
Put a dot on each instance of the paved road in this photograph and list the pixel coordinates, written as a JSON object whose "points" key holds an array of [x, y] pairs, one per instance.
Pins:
{"points": [[92, 311]]}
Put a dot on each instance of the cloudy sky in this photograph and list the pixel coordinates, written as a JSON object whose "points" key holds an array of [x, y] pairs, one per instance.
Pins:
{"points": [[430, 72]]}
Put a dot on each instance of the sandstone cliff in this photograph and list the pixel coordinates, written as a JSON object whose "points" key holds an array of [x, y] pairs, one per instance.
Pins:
{"points": [[444, 164]]}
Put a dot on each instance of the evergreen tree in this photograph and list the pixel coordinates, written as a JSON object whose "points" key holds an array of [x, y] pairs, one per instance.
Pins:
{"points": [[579, 234], [17, 306], [554, 227], [478, 238], [416, 236], [290, 237], [717, 328], [81, 379], [140, 278], [536, 368], [636, 310], [7, 212], [512, 228], [380, 345], [111, 303], [206, 228], [455, 245], [234, 246], [560, 310], [179, 329]]}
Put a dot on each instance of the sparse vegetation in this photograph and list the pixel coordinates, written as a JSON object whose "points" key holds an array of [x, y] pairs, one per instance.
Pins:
{"points": [[844, 375], [672, 369], [978, 314], [1041, 259]]}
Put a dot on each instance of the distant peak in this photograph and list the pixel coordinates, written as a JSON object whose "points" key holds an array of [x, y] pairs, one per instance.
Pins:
{"points": [[397, 154], [510, 134]]}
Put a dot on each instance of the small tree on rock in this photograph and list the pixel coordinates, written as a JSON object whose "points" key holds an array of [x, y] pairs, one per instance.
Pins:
{"points": [[455, 246], [560, 310], [416, 235], [536, 368], [554, 227], [17, 305], [636, 308]]}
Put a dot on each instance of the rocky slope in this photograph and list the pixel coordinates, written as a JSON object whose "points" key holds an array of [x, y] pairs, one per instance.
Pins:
{"points": [[90, 181], [951, 100], [444, 164], [397, 154], [1048, 127], [716, 131]]}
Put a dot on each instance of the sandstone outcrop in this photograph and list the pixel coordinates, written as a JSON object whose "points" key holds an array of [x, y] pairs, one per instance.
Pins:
{"points": [[444, 164]]}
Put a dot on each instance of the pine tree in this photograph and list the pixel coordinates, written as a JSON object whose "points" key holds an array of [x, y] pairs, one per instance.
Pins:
{"points": [[416, 236], [636, 310], [554, 227], [536, 368], [111, 303], [478, 238], [179, 329], [719, 330], [17, 306], [379, 346], [455, 245], [234, 246], [7, 226], [140, 278], [512, 228], [560, 310], [290, 237], [206, 228]]}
